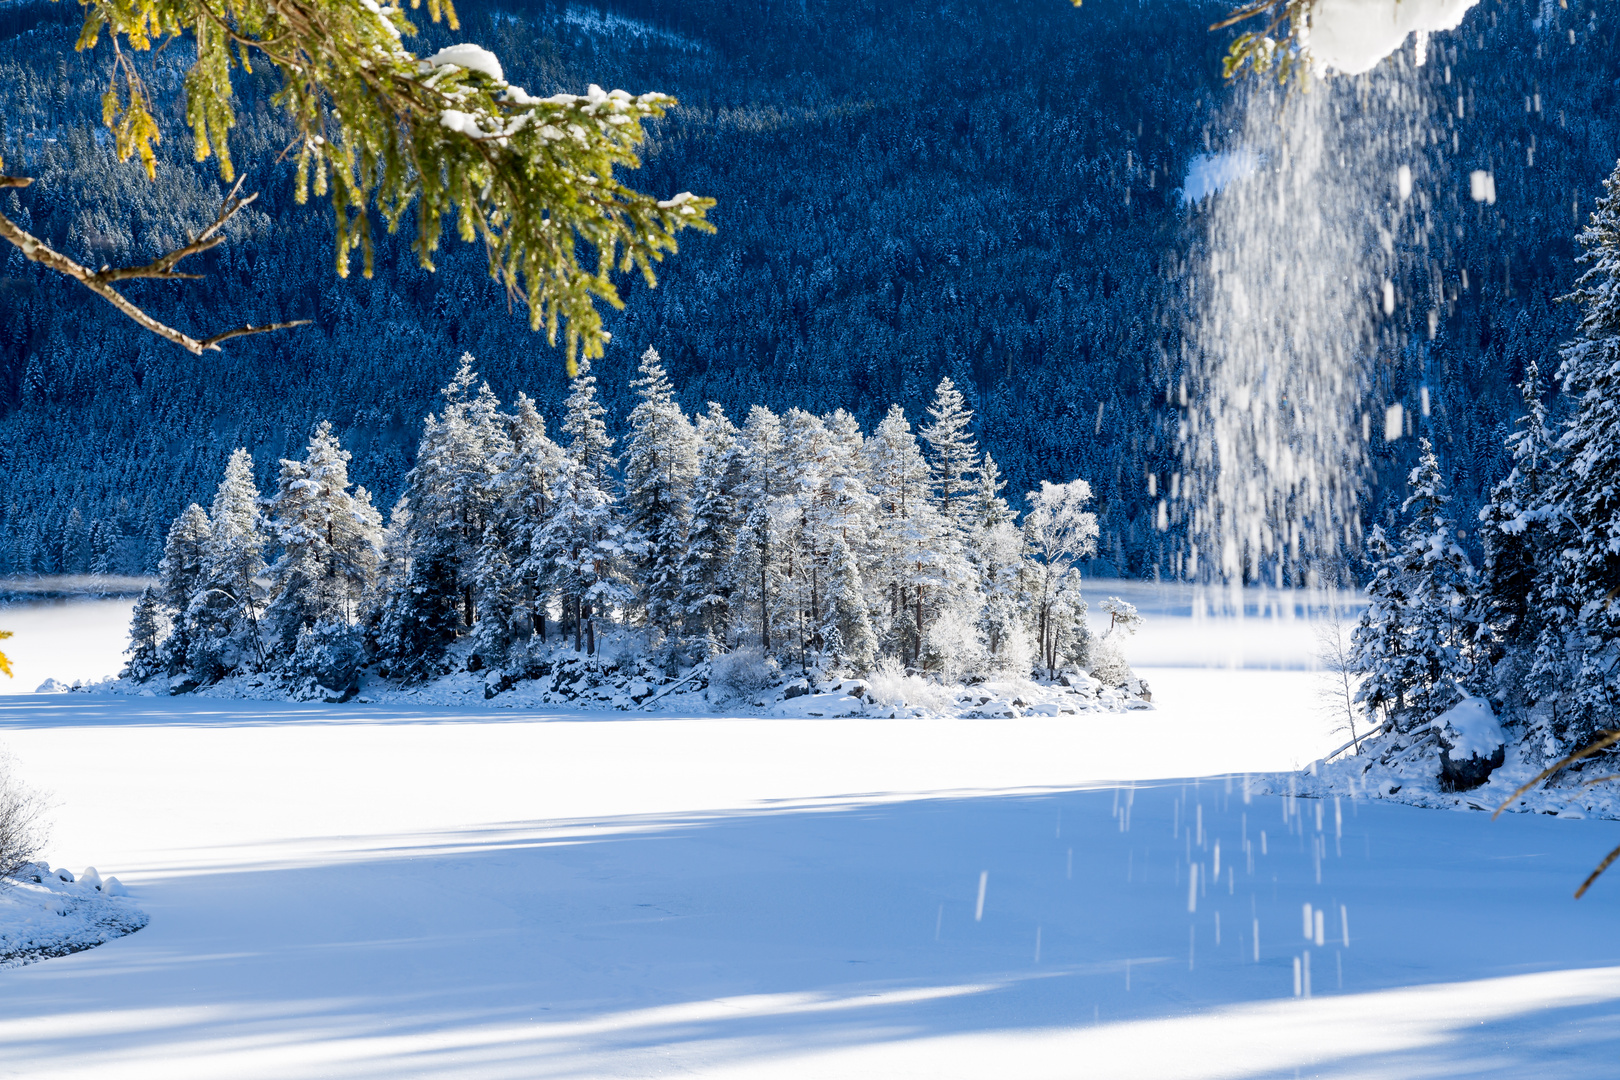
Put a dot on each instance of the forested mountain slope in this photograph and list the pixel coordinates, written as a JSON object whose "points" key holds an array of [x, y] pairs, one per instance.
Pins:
{"points": [[983, 189]]}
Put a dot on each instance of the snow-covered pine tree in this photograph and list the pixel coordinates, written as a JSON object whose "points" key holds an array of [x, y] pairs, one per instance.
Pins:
{"points": [[706, 590], [331, 544], [585, 425], [1058, 532], [756, 572], [584, 540], [1421, 641], [1578, 600], [660, 464], [953, 456], [918, 555], [1378, 653], [451, 498], [523, 505], [147, 629], [847, 625], [1510, 524], [184, 550], [225, 605]]}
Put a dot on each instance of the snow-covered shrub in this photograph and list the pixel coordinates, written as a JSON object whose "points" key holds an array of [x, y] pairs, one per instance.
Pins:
{"points": [[741, 673], [954, 645], [1016, 657], [331, 653], [890, 685], [21, 831], [1108, 664]]}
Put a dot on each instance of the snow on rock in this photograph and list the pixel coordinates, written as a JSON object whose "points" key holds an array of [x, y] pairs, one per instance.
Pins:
{"points": [[1351, 36], [1469, 729], [46, 913]]}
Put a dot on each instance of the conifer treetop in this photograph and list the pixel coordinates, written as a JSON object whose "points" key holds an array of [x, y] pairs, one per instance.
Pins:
{"points": [[1598, 289]]}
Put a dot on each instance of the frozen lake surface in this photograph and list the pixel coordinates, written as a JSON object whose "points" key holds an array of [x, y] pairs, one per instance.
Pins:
{"points": [[370, 891]]}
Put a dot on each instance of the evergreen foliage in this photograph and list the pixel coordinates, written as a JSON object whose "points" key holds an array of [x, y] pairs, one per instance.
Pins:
{"points": [[1422, 643], [530, 178], [797, 539], [887, 223]]}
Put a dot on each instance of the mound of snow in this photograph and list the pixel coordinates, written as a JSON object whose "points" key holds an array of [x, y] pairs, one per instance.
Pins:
{"points": [[1352, 36], [1469, 729], [46, 913]]}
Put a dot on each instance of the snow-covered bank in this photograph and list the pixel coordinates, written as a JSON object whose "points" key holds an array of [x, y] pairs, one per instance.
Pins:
{"points": [[46, 913]]}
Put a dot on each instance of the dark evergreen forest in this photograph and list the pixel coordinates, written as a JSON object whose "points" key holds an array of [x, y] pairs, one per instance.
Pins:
{"points": [[980, 189]]}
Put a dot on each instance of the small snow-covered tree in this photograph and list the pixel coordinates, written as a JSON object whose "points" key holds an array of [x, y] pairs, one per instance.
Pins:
{"points": [[1122, 616], [1510, 524], [660, 465], [584, 540], [331, 544], [224, 613], [184, 551], [1378, 653], [706, 588], [953, 456], [1421, 640], [1058, 532], [148, 628]]}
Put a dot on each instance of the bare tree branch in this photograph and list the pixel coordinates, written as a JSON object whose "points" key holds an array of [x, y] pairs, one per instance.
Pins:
{"points": [[161, 268]]}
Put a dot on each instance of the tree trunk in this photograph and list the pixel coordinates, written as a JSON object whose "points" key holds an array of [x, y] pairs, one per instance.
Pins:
{"points": [[764, 612]]}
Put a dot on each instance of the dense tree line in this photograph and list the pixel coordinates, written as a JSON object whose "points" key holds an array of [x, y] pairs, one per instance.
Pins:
{"points": [[1536, 625], [797, 534], [981, 190]]}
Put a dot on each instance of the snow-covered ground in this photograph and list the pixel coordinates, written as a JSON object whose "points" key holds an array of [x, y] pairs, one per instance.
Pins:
{"points": [[382, 891]]}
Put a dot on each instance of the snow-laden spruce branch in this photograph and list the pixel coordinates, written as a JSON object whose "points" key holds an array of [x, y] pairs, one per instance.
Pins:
{"points": [[533, 179]]}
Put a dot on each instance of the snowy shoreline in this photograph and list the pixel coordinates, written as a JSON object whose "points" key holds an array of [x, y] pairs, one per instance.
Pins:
{"points": [[46, 913]]}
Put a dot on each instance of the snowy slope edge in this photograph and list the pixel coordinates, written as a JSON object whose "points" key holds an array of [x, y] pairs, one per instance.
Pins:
{"points": [[46, 913]]}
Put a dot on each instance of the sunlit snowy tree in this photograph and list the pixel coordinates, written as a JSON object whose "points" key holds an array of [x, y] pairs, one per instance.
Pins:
{"points": [[660, 465], [223, 617]]}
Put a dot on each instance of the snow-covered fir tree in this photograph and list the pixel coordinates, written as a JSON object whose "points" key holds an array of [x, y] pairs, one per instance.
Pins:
{"points": [[756, 573], [1422, 642], [953, 455], [706, 587], [1577, 661], [511, 555], [223, 615], [184, 552], [451, 498], [799, 535], [331, 544], [584, 541], [660, 465], [1511, 524], [148, 628]]}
